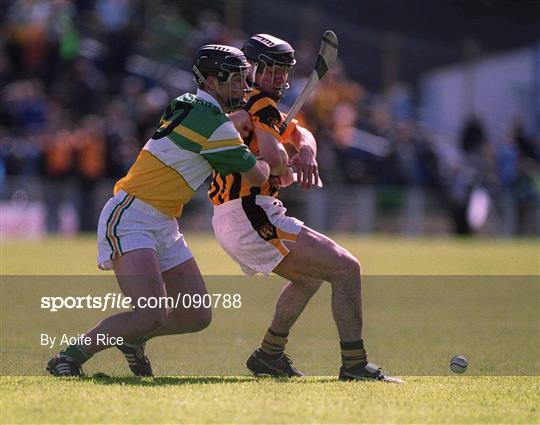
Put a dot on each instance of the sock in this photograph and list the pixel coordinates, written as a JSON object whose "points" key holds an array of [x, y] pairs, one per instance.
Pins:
{"points": [[353, 353], [76, 353], [273, 344]]}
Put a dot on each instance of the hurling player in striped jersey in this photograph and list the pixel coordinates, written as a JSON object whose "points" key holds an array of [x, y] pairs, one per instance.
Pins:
{"points": [[250, 223]]}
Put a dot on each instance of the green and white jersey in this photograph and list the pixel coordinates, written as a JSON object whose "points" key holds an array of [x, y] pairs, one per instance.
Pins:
{"points": [[194, 138]]}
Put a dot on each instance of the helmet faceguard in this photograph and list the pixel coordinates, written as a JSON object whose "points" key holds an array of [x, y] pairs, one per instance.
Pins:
{"points": [[230, 67], [274, 62]]}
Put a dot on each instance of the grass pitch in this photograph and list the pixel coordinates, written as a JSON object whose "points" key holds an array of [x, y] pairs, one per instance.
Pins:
{"points": [[410, 331]]}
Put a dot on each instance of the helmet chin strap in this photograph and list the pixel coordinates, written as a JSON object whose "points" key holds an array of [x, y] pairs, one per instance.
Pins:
{"points": [[224, 104], [271, 91], [233, 104], [236, 103]]}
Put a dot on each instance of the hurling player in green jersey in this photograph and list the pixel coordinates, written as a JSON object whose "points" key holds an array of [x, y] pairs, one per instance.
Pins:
{"points": [[138, 234]]}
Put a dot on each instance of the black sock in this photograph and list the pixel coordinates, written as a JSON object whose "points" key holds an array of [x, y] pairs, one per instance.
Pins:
{"points": [[273, 344], [353, 353]]}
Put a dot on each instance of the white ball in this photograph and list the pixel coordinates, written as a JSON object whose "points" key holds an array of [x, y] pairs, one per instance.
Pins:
{"points": [[458, 364]]}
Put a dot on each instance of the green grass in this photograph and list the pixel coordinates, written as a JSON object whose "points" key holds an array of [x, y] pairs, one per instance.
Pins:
{"points": [[413, 325], [247, 400], [378, 255]]}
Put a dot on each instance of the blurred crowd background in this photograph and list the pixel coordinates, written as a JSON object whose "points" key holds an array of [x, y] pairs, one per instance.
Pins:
{"points": [[429, 123]]}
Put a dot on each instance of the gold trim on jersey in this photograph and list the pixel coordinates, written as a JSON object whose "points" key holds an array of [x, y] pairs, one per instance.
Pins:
{"points": [[190, 134], [204, 142], [156, 183], [222, 145]]}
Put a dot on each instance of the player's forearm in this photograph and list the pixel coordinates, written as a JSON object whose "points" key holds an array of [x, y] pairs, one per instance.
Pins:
{"points": [[259, 174], [280, 167], [242, 122], [273, 152], [305, 139]]}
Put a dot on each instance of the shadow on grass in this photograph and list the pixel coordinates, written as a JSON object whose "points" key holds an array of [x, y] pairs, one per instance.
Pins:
{"points": [[193, 380]]}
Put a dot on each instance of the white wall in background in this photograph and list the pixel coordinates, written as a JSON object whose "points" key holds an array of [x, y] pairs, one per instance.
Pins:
{"points": [[496, 88]]}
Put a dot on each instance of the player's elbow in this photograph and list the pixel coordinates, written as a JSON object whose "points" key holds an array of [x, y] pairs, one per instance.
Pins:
{"points": [[258, 174], [278, 161], [276, 158], [256, 179], [272, 151]]}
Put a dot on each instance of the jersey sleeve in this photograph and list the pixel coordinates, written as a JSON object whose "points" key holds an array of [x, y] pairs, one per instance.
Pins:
{"points": [[286, 138], [237, 160], [226, 152], [266, 116]]}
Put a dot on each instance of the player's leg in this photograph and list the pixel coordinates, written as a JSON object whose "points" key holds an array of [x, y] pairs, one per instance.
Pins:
{"points": [[182, 277], [139, 277], [185, 279], [317, 256], [269, 358], [292, 300], [313, 258], [251, 231], [258, 235]]}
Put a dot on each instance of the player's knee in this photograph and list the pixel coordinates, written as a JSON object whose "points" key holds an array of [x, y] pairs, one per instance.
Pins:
{"points": [[154, 318], [353, 265], [202, 319], [347, 267], [308, 285]]}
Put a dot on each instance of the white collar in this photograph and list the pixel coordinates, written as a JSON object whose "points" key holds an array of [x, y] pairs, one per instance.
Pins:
{"points": [[207, 97]]}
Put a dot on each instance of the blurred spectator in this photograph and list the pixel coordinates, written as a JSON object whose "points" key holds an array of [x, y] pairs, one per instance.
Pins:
{"points": [[114, 15], [525, 144], [477, 171], [26, 105], [334, 89], [332, 114], [27, 35], [82, 88], [473, 136], [209, 30], [90, 165], [417, 163], [116, 19], [518, 166], [59, 161], [165, 27], [120, 138], [20, 154], [399, 99], [153, 103]]}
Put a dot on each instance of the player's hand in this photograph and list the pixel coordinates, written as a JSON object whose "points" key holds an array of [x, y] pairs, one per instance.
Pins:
{"points": [[286, 179], [242, 122], [283, 180], [307, 169]]}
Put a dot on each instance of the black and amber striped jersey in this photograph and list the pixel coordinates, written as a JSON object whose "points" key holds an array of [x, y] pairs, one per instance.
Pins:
{"points": [[265, 115]]}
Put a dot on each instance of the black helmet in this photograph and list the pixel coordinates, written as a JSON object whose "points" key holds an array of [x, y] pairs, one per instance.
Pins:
{"points": [[219, 61], [267, 50]]}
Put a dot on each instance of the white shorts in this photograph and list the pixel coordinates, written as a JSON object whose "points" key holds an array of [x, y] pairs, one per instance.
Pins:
{"points": [[127, 223], [252, 230]]}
